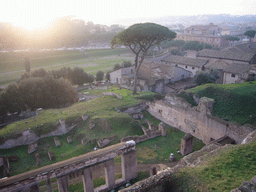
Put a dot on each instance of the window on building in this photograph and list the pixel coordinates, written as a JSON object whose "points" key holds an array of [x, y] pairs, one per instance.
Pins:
{"points": [[193, 68], [233, 75], [186, 66]]}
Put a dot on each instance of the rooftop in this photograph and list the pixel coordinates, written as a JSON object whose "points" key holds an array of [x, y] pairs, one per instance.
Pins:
{"points": [[226, 54], [174, 59], [238, 68]]}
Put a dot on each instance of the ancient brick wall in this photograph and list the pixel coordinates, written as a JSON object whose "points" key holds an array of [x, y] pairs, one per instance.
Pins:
{"points": [[197, 121]]}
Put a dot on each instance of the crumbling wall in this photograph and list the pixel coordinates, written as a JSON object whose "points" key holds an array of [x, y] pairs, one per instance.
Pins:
{"points": [[148, 133], [197, 121], [28, 136]]}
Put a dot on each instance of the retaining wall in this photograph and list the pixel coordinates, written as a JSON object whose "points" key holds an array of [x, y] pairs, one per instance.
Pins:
{"points": [[197, 121]]}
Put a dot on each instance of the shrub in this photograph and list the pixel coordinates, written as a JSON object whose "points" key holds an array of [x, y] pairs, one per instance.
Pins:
{"points": [[99, 76], [127, 64], [116, 67], [108, 75], [206, 77]]}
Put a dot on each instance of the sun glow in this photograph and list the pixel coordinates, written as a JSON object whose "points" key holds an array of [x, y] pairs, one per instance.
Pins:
{"points": [[33, 24]]}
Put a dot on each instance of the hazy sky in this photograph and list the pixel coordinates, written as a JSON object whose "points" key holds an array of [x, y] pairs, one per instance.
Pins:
{"points": [[33, 14]]}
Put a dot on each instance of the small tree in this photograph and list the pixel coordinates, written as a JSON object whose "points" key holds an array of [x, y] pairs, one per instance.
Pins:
{"points": [[108, 75], [139, 38], [127, 64], [78, 76], [232, 39], [99, 76], [250, 34], [206, 77], [116, 67], [177, 52], [41, 72], [196, 45]]}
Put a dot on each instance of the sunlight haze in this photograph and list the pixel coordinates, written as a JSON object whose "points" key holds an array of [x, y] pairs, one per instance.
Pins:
{"points": [[37, 14]]}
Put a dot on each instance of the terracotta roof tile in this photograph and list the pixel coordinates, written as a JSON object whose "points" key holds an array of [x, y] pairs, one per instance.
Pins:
{"points": [[226, 54], [219, 64], [174, 59], [238, 68], [245, 47]]}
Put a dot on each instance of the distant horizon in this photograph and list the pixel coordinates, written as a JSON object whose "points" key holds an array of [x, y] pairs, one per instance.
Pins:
{"points": [[126, 22], [37, 14]]}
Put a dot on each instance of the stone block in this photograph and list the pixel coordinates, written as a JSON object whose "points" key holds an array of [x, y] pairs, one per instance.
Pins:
{"points": [[69, 139], [38, 160], [129, 165], [137, 116], [51, 156], [205, 105], [253, 181], [153, 171], [103, 142], [162, 128], [32, 147], [83, 141], [151, 126], [187, 144], [85, 117], [56, 141], [92, 125]]}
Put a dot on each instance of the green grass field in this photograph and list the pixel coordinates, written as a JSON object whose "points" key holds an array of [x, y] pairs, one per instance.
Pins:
{"points": [[12, 64]]}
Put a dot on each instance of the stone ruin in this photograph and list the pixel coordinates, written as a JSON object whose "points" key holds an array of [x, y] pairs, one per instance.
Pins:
{"points": [[149, 133], [187, 144], [247, 186], [37, 158], [83, 141], [85, 117], [69, 139], [57, 141], [103, 142], [51, 156], [5, 164], [113, 94], [84, 165], [92, 125], [137, 116], [32, 147]]}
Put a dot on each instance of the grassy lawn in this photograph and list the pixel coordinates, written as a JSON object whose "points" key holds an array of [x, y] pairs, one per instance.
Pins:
{"points": [[223, 172], [233, 102], [12, 64]]}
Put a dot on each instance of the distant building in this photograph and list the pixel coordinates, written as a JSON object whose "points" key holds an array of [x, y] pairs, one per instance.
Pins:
{"points": [[236, 73], [233, 64], [151, 76], [121, 75], [210, 34]]}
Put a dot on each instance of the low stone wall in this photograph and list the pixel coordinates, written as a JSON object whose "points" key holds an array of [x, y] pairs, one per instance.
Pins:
{"points": [[197, 121], [113, 94], [28, 136], [148, 134]]}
